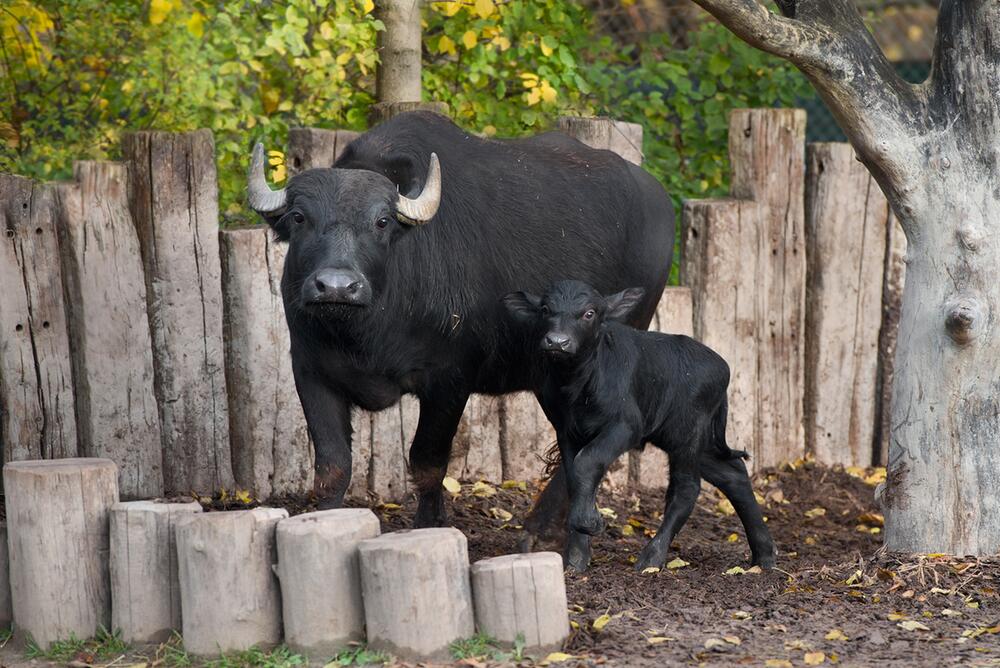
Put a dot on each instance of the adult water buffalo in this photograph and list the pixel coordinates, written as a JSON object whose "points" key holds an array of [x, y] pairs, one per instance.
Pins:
{"points": [[396, 265]]}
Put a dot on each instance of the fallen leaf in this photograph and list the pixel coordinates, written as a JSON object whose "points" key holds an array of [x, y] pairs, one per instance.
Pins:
{"points": [[972, 604], [601, 621], [390, 506], [948, 612], [911, 625], [556, 657], [810, 540], [573, 624], [452, 485], [724, 507], [677, 563], [501, 514], [895, 616], [938, 590], [650, 570], [735, 570], [814, 658], [815, 512], [715, 644], [608, 513], [877, 477], [514, 484], [628, 530], [483, 489], [732, 538], [778, 663], [656, 640], [742, 614], [733, 640], [875, 519], [754, 570], [835, 634]]}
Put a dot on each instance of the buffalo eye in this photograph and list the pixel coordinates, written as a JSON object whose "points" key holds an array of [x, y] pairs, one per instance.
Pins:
{"points": [[382, 223], [589, 314], [298, 217], [544, 310]]}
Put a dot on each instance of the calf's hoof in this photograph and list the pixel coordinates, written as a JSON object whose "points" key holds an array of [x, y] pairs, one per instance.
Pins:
{"points": [[587, 521], [578, 551], [765, 559], [654, 555], [526, 542]]}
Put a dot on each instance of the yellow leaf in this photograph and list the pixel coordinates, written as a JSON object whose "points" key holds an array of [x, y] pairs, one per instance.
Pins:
{"points": [[814, 658], [754, 570], [735, 570], [196, 24], [449, 8], [548, 92], [877, 477], [243, 496], [484, 8], [895, 616], [733, 640], [724, 507], [502, 42], [810, 540], [656, 640], [128, 86], [469, 39], [446, 45], [608, 513], [948, 612], [556, 657], [344, 58], [278, 174], [369, 6], [628, 530], [158, 10], [390, 506], [911, 625], [546, 50], [451, 485], [506, 484], [815, 512], [778, 663], [836, 634], [483, 489], [677, 563], [742, 614], [875, 519], [855, 471], [269, 98], [732, 538], [651, 570], [501, 514], [601, 621]]}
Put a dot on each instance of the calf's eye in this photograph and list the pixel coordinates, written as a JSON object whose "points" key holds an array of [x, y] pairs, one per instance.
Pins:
{"points": [[382, 223], [589, 314], [545, 310], [298, 217]]}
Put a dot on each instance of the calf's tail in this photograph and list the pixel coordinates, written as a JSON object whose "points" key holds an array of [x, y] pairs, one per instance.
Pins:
{"points": [[719, 434]]}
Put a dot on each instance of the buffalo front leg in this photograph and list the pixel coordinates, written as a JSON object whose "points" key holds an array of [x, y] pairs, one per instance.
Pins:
{"points": [[589, 467], [440, 413], [328, 416]]}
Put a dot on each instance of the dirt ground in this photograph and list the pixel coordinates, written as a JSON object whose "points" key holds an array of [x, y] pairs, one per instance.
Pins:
{"points": [[835, 598]]}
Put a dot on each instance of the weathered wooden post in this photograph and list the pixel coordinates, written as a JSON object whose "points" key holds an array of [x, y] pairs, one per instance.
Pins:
{"points": [[229, 593], [475, 453], [37, 418], [309, 148], [270, 443], [320, 580], [744, 260], [522, 595], [145, 592], [416, 592], [847, 219], [57, 523], [6, 612], [174, 199], [111, 350], [397, 77]]}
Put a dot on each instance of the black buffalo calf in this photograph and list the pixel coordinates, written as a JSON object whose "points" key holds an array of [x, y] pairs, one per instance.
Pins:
{"points": [[608, 388]]}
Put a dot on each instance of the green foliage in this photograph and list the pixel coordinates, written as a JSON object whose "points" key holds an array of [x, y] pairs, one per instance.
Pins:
{"points": [[104, 645], [359, 656], [482, 646], [279, 657], [78, 74]]}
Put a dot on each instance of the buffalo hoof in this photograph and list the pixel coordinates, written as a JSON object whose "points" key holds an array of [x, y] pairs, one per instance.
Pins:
{"points": [[765, 559], [526, 542], [578, 551], [652, 556], [328, 503], [587, 521]]}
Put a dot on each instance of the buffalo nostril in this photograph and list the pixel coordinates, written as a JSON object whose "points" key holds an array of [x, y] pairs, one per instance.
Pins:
{"points": [[320, 286], [354, 287]]}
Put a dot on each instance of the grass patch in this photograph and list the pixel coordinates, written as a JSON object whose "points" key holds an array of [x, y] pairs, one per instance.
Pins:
{"points": [[482, 646], [279, 657], [104, 645], [359, 656]]}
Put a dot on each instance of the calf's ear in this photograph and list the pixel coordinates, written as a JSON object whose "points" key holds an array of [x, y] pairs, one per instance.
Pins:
{"points": [[620, 305], [522, 305]]}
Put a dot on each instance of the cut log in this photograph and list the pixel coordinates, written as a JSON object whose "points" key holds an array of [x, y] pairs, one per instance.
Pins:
{"points": [[416, 592], [272, 453], [320, 579], [112, 353], [522, 595], [57, 523], [623, 138], [145, 592], [475, 450], [312, 148], [37, 418], [6, 611], [846, 221], [361, 455], [174, 199], [525, 437], [229, 593], [383, 111], [388, 474]]}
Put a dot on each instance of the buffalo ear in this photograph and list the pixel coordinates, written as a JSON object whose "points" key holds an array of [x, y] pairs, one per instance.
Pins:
{"points": [[522, 306], [620, 305]]}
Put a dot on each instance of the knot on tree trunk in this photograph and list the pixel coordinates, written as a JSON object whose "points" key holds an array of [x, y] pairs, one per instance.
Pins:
{"points": [[963, 319]]}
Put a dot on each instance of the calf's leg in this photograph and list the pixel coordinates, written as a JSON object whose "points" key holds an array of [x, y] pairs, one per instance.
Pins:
{"points": [[440, 413], [589, 467], [682, 492], [730, 476]]}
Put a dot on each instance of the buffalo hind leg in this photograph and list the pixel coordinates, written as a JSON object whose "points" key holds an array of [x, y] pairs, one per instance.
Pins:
{"points": [[328, 416], [682, 493], [440, 413], [730, 476]]}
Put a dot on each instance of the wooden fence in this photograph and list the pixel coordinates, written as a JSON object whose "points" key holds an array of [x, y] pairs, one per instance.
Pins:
{"points": [[132, 328]]}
